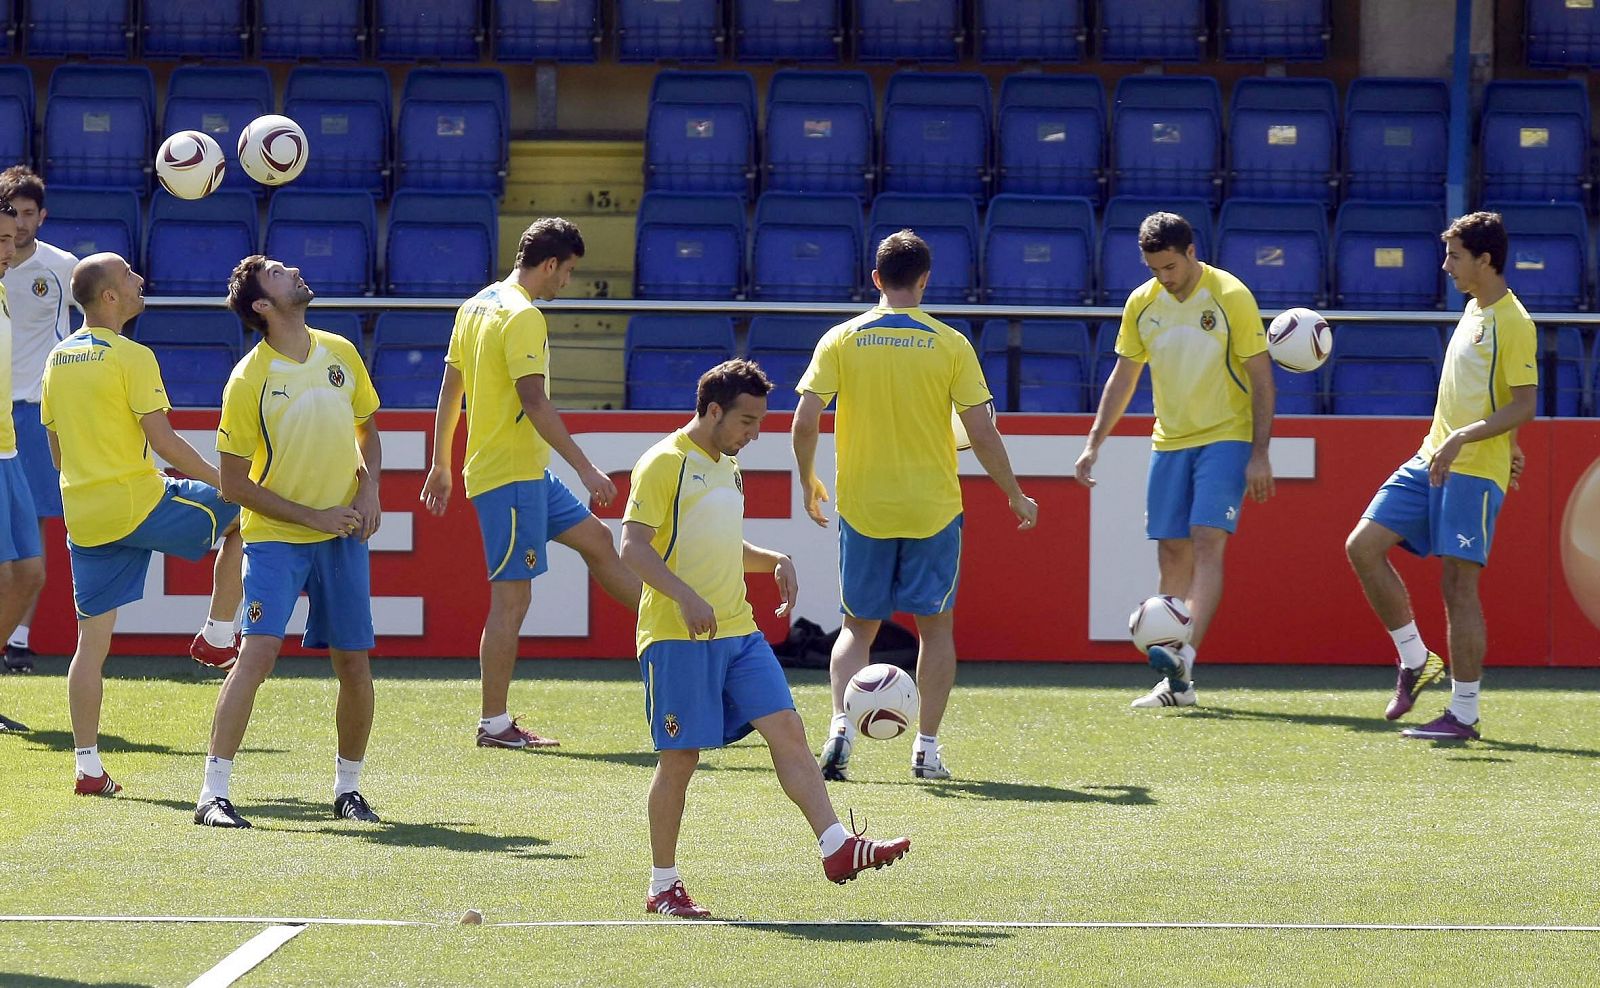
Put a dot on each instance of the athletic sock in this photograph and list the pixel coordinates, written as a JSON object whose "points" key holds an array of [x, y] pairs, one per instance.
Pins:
{"points": [[840, 725], [926, 744], [346, 776], [833, 838], [19, 638], [1190, 657], [219, 773], [1464, 700], [661, 879], [1408, 645], [218, 634], [498, 724], [88, 760]]}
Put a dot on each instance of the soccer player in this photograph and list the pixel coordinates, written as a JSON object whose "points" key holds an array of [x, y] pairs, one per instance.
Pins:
{"points": [[1199, 329], [499, 358], [38, 284], [301, 457], [105, 406], [709, 675], [21, 560], [898, 372], [1444, 500]]}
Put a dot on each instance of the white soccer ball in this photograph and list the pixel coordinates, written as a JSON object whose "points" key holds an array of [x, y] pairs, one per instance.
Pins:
{"points": [[190, 164], [272, 150], [1300, 340], [882, 701], [1160, 620], [964, 441]]}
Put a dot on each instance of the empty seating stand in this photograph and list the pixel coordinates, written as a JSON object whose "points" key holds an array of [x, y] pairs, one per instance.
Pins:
{"points": [[949, 224], [79, 29], [689, 246], [1122, 267], [1549, 266], [788, 30], [1167, 136], [1562, 34], [1283, 138], [1051, 132], [1054, 365], [909, 30], [1386, 255], [194, 244], [553, 30], [1279, 30], [98, 126], [345, 114], [220, 102], [454, 131], [701, 132], [936, 134], [664, 357], [1534, 142], [407, 30], [783, 346], [1385, 370], [442, 244], [1277, 247], [1152, 30], [1039, 251], [1011, 31], [1395, 139], [196, 348], [195, 29], [408, 357], [90, 221], [669, 30], [330, 236], [16, 113], [820, 133], [805, 247]]}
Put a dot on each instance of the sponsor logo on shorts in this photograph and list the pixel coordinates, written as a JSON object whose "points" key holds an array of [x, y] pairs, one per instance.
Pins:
{"points": [[254, 611], [1465, 540], [336, 375], [1233, 512], [669, 724], [530, 558]]}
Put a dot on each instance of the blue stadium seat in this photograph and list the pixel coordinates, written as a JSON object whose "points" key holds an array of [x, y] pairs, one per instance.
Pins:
{"points": [[1395, 144], [454, 131], [1152, 30], [196, 349], [1281, 30], [79, 29], [8, 26], [820, 131], [1562, 34], [1564, 347], [89, 221], [193, 245], [344, 322], [664, 357], [407, 358], [1385, 370], [1386, 255], [1105, 348], [1011, 31], [441, 243], [1297, 393], [689, 246], [1283, 139], [936, 134], [783, 346], [345, 114], [1534, 141], [195, 29], [1549, 265], [16, 114], [407, 30], [220, 102], [330, 236], [1122, 267], [788, 30], [1277, 247], [1039, 250], [1167, 136], [1052, 132], [98, 124], [669, 30], [908, 30], [805, 247], [701, 132], [553, 30], [326, 29], [950, 226], [1054, 363]]}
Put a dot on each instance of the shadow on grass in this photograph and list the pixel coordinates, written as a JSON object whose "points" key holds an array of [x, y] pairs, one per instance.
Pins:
{"points": [[111, 744], [642, 759], [1027, 792], [922, 936], [12, 980], [1373, 725]]}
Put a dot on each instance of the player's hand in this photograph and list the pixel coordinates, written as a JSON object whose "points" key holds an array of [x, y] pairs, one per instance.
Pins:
{"points": [[436, 491], [1026, 509], [698, 617], [788, 584], [601, 488], [1439, 466], [341, 520], [367, 506], [1258, 478], [815, 495], [1519, 462], [1085, 465]]}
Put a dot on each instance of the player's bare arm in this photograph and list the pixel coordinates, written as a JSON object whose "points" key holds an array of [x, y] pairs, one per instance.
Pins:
{"points": [[176, 450], [803, 440], [536, 405], [1114, 400], [990, 450], [55, 449], [1263, 400], [1519, 461], [446, 416], [1514, 414], [759, 560], [647, 564], [237, 487], [366, 499]]}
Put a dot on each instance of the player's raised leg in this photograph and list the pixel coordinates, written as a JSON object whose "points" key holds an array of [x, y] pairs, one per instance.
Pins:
{"points": [[217, 643]]}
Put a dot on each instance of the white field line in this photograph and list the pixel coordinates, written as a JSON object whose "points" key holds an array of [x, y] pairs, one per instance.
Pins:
{"points": [[253, 920], [250, 953]]}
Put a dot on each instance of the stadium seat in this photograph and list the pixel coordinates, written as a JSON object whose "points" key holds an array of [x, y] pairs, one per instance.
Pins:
{"points": [[326, 29], [950, 226], [689, 246], [665, 355], [330, 236], [1152, 30], [1039, 250], [88, 221], [1280, 30], [936, 134], [1549, 265], [1011, 31], [196, 348], [79, 29], [788, 30], [1395, 139], [1122, 267], [1283, 139], [408, 30], [1562, 348], [195, 29], [805, 247], [441, 243], [1054, 360], [193, 245], [220, 102], [669, 30], [1386, 255], [408, 356], [8, 26], [16, 114], [701, 132], [1534, 141], [1167, 136], [98, 124], [908, 30], [1299, 394], [1277, 247], [1143, 400], [820, 133], [1052, 132], [783, 346], [553, 30], [1562, 34], [454, 131], [345, 322], [345, 114], [1385, 370]]}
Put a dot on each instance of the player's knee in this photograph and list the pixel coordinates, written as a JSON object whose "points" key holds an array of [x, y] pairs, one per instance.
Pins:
{"points": [[1458, 581], [677, 764], [1359, 549]]}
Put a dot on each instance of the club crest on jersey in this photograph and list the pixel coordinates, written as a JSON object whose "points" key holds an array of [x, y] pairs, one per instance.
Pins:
{"points": [[336, 375], [530, 558], [254, 611], [1208, 320], [669, 723], [738, 481], [40, 287]]}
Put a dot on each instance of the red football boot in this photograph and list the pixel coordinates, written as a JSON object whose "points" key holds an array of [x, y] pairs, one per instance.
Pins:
{"points": [[208, 654], [675, 901], [858, 854], [515, 737], [97, 785]]}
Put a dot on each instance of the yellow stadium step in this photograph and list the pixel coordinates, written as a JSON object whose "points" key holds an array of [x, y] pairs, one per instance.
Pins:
{"points": [[562, 178], [586, 359]]}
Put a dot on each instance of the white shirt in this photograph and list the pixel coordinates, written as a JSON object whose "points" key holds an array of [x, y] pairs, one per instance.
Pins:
{"points": [[39, 290]]}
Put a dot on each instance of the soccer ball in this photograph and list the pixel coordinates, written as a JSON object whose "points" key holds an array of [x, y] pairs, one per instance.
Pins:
{"points": [[272, 150], [963, 441], [882, 701], [1300, 340], [1160, 620], [190, 164]]}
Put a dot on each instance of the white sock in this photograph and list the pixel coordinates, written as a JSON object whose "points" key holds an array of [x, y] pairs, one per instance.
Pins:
{"points": [[346, 776], [219, 772], [1408, 645], [1464, 700], [840, 725], [19, 637], [1190, 657], [925, 744], [498, 724], [661, 879], [89, 761], [833, 838], [218, 634]]}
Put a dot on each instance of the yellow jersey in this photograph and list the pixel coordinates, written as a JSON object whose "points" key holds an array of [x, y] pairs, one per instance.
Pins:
{"points": [[296, 424], [98, 385], [8, 428], [1196, 350], [500, 336], [897, 372]]}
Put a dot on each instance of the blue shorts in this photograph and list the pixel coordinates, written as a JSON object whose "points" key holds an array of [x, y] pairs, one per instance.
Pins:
{"points": [[1201, 485], [186, 522], [19, 526], [704, 694], [1455, 520], [33, 449], [334, 574], [878, 577], [518, 518]]}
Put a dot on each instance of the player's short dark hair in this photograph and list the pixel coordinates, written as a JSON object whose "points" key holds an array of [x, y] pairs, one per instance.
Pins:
{"points": [[1163, 231], [549, 237], [1482, 233], [20, 181], [6, 209], [728, 380], [244, 288], [902, 259]]}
